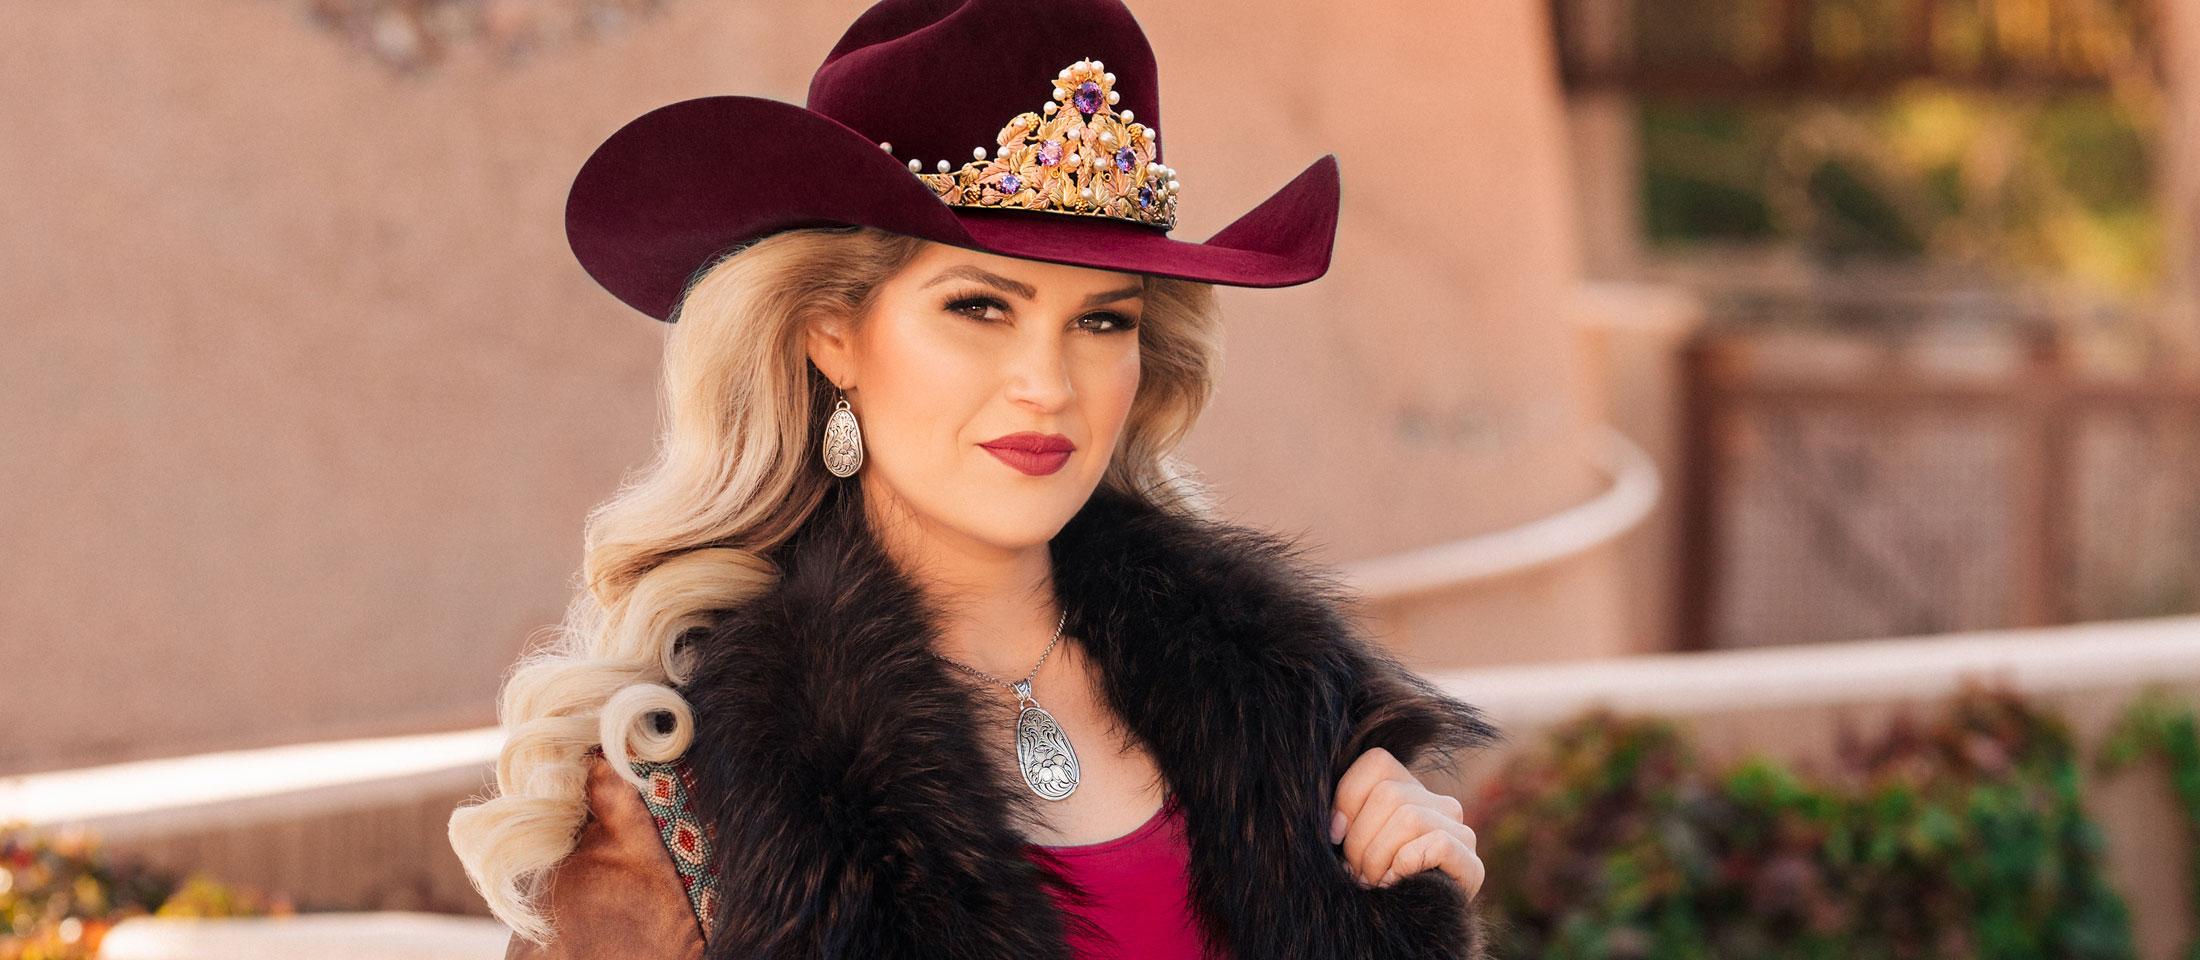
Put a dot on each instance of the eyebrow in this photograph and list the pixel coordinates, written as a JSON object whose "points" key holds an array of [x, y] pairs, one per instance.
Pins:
{"points": [[1025, 290]]}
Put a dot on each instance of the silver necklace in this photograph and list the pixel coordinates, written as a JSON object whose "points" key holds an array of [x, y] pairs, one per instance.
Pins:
{"points": [[1043, 753]]}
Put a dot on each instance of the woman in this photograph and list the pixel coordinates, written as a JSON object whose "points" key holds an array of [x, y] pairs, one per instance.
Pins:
{"points": [[916, 641]]}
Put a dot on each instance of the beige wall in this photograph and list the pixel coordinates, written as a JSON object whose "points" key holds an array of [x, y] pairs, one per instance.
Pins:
{"points": [[306, 398]]}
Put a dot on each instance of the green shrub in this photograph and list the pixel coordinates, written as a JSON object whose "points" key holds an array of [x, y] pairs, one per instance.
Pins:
{"points": [[1961, 837]]}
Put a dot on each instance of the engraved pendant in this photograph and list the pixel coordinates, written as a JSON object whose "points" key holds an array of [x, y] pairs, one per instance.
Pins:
{"points": [[843, 442], [1043, 752]]}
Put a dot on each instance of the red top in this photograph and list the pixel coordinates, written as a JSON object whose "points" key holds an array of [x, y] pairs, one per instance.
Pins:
{"points": [[1143, 899]]}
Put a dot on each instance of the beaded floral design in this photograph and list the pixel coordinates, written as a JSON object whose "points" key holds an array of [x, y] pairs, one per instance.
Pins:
{"points": [[1077, 155]]}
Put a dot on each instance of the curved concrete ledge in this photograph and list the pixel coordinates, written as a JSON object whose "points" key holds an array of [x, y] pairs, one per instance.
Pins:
{"points": [[2121, 653], [1634, 489], [110, 796], [393, 935]]}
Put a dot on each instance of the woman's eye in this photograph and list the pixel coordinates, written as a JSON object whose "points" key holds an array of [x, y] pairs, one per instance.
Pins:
{"points": [[1115, 322], [966, 304]]}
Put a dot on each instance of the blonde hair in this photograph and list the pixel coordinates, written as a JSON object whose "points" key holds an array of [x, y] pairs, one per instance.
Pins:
{"points": [[737, 472]]}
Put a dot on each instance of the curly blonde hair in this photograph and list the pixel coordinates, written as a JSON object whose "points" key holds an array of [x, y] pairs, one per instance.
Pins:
{"points": [[736, 473]]}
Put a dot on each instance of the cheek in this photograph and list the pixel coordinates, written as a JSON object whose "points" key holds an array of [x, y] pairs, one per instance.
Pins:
{"points": [[1115, 385], [921, 382]]}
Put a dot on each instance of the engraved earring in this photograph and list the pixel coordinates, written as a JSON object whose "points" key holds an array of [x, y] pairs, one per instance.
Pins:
{"points": [[843, 441]]}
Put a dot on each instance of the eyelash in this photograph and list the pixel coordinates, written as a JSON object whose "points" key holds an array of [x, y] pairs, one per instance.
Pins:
{"points": [[1122, 323]]}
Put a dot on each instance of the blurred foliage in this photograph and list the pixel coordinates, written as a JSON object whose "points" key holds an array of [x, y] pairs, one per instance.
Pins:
{"points": [[2005, 187], [2010, 41], [1962, 837], [60, 893]]}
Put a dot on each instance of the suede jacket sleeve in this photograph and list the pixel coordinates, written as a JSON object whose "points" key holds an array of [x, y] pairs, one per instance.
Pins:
{"points": [[617, 895]]}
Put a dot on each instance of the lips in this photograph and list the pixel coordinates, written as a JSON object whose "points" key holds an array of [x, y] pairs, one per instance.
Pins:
{"points": [[1037, 454], [1032, 443]]}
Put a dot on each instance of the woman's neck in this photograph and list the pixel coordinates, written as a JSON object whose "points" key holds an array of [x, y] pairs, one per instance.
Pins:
{"points": [[997, 609]]}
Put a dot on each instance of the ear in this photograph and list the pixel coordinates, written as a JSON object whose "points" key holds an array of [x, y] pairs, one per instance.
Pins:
{"points": [[831, 345]]}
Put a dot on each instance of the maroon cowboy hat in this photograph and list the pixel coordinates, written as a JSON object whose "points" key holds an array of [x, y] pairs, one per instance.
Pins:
{"points": [[925, 81]]}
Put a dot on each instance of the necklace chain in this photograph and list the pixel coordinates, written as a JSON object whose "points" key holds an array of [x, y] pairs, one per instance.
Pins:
{"points": [[1043, 752], [1026, 681]]}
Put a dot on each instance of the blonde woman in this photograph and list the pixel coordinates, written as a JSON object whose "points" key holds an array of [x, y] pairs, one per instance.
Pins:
{"points": [[915, 641]]}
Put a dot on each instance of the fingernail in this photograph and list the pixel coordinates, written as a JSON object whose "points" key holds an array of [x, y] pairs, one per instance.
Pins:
{"points": [[1388, 876], [1336, 827]]}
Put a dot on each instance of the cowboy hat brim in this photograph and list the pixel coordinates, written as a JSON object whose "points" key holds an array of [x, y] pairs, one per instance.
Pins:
{"points": [[682, 183]]}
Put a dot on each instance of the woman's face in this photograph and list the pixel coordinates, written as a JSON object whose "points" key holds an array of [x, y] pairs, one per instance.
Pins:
{"points": [[990, 390]]}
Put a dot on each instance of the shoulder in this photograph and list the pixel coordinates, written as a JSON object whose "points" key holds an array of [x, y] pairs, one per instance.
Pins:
{"points": [[685, 835], [635, 882]]}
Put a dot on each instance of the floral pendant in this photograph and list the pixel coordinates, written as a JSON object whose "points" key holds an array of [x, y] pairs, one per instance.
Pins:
{"points": [[1043, 752]]}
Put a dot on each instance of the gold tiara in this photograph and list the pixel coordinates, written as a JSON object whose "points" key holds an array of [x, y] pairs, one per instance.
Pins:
{"points": [[1089, 161]]}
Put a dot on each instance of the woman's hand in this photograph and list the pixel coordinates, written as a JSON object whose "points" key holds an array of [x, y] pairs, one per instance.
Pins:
{"points": [[1392, 826]]}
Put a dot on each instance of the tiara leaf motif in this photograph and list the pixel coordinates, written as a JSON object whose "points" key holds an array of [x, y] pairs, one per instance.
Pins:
{"points": [[1077, 156]]}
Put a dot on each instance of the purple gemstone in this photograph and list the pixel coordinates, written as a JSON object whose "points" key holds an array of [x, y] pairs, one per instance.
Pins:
{"points": [[1050, 152], [1145, 197], [1010, 183], [1087, 96], [1125, 159]]}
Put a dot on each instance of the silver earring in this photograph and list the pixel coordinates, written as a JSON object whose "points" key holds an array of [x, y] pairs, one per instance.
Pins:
{"points": [[843, 441]]}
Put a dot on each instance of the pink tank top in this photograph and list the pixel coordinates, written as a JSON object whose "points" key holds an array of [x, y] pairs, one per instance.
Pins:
{"points": [[1143, 897]]}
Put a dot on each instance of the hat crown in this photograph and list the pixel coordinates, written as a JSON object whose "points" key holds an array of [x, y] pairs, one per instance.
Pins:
{"points": [[938, 78], [678, 188]]}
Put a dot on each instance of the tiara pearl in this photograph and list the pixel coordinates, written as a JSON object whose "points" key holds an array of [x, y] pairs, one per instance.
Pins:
{"points": [[1087, 160]]}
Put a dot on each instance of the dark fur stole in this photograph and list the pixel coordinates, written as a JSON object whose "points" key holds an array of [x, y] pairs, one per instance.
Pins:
{"points": [[858, 817]]}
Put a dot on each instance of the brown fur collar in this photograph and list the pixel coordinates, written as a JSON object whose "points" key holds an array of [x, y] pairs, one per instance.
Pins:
{"points": [[857, 817]]}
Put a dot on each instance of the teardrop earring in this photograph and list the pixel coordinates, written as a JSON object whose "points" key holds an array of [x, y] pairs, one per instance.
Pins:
{"points": [[843, 441]]}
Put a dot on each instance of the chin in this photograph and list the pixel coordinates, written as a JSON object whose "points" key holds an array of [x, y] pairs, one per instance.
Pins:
{"points": [[1024, 515]]}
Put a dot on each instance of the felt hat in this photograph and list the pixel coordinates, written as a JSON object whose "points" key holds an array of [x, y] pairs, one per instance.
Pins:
{"points": [[1027, 128]]}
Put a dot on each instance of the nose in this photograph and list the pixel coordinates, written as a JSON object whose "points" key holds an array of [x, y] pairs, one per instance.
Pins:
{"points": [[1038, 376]]}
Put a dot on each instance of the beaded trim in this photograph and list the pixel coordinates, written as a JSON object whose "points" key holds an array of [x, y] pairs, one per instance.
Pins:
{"points": [[1088, 160], [686, 834]]}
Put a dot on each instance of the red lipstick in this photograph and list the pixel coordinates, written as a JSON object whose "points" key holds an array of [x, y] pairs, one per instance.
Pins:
{"points": [[1037, 454]]}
